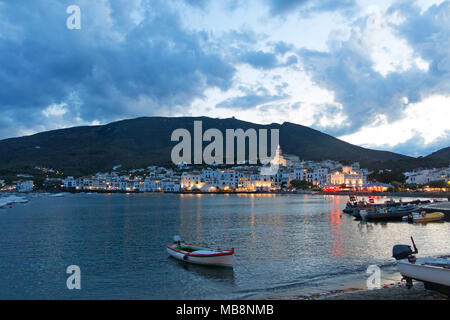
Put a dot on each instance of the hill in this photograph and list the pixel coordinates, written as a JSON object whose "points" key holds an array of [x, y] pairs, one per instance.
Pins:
{"points": [[144, 141], [443, 154]]}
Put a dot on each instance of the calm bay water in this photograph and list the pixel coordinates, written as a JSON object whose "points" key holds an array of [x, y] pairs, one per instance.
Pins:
{"points": [[282, 242]]}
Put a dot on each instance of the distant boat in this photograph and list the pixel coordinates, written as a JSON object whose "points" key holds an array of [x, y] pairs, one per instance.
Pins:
{"points": [[5, 201], [353, 204], [363, 214], [201, 255], [434, 273], [390, 213], [427, 217], [57, 195], [424, 217]]}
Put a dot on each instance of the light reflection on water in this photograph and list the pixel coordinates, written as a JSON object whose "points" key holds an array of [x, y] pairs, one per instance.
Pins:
{"points": [[301, 242]]}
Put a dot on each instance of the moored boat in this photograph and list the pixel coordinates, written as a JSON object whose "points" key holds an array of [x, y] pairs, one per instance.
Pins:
{"points": [[363, 214], [201, 255], [57, 195], [427, 216], [8, 201], [390, 213], [434, 273]]}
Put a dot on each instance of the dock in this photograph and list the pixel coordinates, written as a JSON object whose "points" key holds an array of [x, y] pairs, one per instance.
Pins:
{"points": [[443, 207]]}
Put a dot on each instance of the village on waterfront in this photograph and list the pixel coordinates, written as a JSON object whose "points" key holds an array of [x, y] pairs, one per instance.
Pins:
{"points": [[293, 174], [210, 158]]}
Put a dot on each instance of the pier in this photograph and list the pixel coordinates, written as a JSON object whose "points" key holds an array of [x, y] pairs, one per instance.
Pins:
{"points": [[438, 206]]}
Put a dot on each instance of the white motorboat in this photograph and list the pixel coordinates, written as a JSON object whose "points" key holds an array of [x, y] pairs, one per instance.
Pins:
{"points": [[434, 273], [57, 195], [202, 255], [363, 214], [5, 201]]}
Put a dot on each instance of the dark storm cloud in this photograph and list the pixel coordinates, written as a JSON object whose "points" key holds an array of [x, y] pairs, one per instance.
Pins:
{"points": [[416, 146], [253, 98], [104, 70], [307, 6], [260, 59], [282, 47], [428, 33], [363, 92], [197, 3], [266, 60]]}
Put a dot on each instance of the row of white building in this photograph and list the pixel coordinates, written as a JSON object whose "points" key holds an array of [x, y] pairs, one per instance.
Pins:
{"points": [[154, 180], [424, 176], [238, 178], [19, 186]]}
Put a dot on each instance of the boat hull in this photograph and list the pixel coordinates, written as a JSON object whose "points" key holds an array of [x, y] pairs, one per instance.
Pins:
{"points": [[434, 277], [429, 217], [393, 215], [223, 259]]}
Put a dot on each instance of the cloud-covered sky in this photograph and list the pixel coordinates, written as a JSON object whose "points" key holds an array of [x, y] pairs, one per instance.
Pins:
{"points": [[376, 75]]}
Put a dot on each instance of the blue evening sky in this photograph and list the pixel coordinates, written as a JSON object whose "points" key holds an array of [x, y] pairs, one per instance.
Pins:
{"points": [[373, 73]]}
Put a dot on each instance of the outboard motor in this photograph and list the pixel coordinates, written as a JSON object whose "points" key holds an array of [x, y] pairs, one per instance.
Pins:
{"points": [[403, 251], [177, 240]]}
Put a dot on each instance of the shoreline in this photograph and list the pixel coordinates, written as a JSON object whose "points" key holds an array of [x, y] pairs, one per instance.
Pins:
{"points": [[396, 291], [345, 194], [393, 291], [421, 194]]}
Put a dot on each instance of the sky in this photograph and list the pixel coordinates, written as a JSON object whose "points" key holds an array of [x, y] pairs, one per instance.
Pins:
{"points": [[375, 75]]}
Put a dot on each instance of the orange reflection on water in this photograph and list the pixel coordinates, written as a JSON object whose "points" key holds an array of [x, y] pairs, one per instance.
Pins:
{"points": [[336, 228], [199, 220], [252, 219]]}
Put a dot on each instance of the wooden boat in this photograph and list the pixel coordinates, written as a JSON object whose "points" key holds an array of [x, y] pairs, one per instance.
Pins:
{"points": [[201, 255], [427, 217], [434, 273]]}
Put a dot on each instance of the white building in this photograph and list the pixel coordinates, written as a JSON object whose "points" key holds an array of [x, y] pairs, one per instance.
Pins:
{"points": [[348, 177], [170, 186], [25, 186], [317, 176], [427, 175], [191, 180]]}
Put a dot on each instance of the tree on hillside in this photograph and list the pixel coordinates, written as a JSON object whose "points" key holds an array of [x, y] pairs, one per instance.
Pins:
{"points": [[301, 184], [386, 176], [438, 184]]}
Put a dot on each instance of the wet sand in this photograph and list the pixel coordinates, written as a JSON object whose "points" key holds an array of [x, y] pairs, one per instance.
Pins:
{"points": [[396, 291]]}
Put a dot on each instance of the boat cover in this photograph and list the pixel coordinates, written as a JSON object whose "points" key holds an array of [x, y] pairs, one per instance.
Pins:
{"points": [[206, 252], [438, 262]]}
